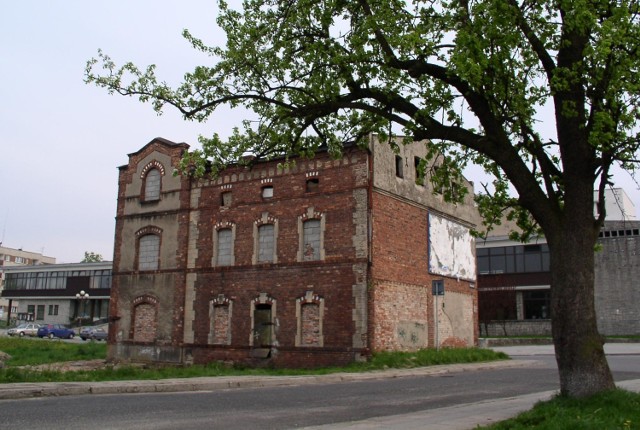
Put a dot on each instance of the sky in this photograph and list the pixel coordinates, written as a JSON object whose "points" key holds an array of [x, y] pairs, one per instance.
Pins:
{"points": [[63, 140]]}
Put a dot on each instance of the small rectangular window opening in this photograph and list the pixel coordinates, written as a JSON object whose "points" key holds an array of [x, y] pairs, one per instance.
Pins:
{"points": [[312, 184], [267, 192], [419, 170], [399, 172], [225, 199]]}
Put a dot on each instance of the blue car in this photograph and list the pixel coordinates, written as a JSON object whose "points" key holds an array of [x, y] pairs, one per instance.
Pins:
{"points": [[56, 330]]}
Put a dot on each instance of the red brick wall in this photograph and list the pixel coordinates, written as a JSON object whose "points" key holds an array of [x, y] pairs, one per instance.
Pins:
{"points": [[400, 247], [221, 324], [310, 324], [145, 323], [285, 285], [401, 284], [334, 199], [332, 279]]}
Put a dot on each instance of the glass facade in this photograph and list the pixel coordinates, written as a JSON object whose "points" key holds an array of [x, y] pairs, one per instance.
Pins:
{"points": [[513, 259], [55, 280]]}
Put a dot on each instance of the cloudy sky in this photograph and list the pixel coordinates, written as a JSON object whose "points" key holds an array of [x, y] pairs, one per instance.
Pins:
{"points": [[62, 140]]}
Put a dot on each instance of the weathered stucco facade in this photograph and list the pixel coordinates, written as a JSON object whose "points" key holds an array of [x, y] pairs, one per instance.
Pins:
{"points": [[309, 265]]}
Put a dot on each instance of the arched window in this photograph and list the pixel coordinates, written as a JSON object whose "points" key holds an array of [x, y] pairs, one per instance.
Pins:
{"points": [[311, 240], [310, 316], [265, 243], [148, 252], [144, 324], [311, 227], [220, 320], [224, 254], [152, 185]]}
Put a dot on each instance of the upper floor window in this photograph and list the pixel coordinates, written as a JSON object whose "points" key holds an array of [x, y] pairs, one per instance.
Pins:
{"points": [[312, 185], [513, 259], [148, 252], [152, 185], [311, 240], [266, 241], [419, 170], [267, 192], [224, 247], [399, 169], [226, 198]]}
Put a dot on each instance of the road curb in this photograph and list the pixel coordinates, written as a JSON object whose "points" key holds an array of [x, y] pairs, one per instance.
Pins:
{"points": [[47, 389]]}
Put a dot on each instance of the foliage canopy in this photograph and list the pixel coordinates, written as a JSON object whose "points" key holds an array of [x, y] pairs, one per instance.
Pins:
{"points": [[505, 84], [543, 94]]}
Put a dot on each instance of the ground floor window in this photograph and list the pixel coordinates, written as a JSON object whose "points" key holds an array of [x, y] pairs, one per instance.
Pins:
{"points": [[536, 304], [262, 325]]}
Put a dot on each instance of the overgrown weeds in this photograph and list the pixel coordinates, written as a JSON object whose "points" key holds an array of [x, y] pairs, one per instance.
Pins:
{"points": [[33, 352]]}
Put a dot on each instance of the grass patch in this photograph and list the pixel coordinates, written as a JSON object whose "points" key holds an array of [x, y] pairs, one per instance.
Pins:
{"points": [[525, 336], [617, 409], [632, 337], [36, 352], [32, 352]]}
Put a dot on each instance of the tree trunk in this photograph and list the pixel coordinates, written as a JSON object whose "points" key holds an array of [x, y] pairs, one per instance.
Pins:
{"points": [[582, 365]]}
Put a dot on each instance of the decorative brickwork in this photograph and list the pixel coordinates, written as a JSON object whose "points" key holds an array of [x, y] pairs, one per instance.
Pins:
{"points": [[221, 311], [145, 319], [260, 296], [155, 164]]}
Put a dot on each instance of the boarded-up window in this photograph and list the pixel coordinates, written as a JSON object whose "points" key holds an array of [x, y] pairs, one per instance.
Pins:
{"points": [[145, 323], [224, 247], [310, 324], [152, 185], [265, 243], [311, 240], [220, 325], [148, 252]]}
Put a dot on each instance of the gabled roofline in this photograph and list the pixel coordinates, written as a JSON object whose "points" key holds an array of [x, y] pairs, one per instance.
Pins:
{"points": [[162, 141]]}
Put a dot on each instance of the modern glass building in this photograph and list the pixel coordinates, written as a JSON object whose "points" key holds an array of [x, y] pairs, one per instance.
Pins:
{"points": [[72, 294]]}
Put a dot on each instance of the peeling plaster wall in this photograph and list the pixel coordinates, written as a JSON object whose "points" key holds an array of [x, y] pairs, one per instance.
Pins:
{"points": [[456, 320], [451, 249]]}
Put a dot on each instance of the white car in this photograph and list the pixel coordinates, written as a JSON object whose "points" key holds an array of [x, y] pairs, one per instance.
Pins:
{"points": [[26, 329]]}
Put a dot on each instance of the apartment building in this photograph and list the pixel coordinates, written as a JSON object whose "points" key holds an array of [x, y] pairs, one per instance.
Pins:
{"points": [[16, 257]]}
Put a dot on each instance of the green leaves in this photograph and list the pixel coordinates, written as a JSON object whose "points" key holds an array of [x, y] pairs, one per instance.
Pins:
{"points": [[473, 77]]}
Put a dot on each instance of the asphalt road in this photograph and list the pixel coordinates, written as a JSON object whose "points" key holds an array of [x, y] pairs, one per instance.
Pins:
{"points": [[290, 407]]}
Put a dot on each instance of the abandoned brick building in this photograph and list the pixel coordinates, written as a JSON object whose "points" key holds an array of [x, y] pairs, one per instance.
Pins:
{"points": [[314, 264]]}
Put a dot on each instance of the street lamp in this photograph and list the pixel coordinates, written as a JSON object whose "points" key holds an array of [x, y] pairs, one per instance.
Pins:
{"points": [[82, 297]]}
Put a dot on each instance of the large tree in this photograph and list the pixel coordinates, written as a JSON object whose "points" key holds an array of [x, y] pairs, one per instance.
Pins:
{"points": [[543, 94]]}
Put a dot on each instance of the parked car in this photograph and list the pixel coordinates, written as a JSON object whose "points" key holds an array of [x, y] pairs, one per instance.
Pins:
{"points": [[24, 329], [93, 333], [56, 330]]}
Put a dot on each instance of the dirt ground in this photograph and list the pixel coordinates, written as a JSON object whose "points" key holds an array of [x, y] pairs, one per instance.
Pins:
{"points": [[70, 366]]}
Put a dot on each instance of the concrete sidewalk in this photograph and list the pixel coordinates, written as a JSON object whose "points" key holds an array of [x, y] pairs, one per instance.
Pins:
{"points": [[459, 417]]}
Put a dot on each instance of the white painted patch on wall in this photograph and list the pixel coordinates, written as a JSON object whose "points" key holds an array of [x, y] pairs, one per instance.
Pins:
{"points": [[450, 249]]}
